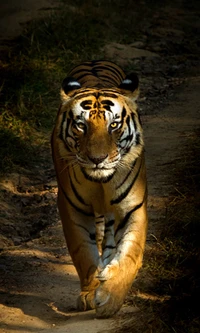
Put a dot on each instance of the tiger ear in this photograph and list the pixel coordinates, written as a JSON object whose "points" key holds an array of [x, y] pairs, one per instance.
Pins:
{"points": [[130, 86], [68, 85]]}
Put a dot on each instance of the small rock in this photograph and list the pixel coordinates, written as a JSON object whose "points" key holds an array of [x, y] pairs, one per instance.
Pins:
{"points": [[125, 53], [138, 44]]}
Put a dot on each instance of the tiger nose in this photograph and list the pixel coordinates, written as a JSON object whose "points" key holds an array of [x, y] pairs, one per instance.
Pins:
{"points": [[97, 159]]}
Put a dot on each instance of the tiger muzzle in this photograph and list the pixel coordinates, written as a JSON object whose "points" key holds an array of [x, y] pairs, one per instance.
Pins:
{"points": [[98, 159]]}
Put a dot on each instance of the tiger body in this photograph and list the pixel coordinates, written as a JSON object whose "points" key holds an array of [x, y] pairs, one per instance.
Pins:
{"points": [[98, 153]]}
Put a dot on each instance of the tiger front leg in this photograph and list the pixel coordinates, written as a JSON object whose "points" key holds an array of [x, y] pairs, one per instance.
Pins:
{"points": [[117, 276], [79, 231]]}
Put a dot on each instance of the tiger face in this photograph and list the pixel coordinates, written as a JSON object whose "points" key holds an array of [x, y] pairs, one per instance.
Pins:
{"points": [[97, 130]]}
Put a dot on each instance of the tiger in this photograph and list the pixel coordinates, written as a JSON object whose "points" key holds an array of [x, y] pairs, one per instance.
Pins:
{"points": [[98, 154]]}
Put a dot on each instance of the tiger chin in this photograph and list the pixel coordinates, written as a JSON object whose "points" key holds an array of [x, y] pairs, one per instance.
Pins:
{"points": [[98, 175], [98, 154]]}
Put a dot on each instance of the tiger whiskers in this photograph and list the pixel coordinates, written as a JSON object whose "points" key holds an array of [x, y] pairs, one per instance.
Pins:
{"points": [[71, 163], [125, 165]]}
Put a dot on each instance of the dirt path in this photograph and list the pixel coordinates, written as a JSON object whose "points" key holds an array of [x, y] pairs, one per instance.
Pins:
{"points": [[38, 282]]}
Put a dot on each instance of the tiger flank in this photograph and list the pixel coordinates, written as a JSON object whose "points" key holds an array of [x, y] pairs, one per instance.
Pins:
{"points": [[98, 153]]}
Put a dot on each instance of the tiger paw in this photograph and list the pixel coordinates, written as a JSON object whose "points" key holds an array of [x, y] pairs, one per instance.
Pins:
{"points": [[109, 298], [85, 301]]}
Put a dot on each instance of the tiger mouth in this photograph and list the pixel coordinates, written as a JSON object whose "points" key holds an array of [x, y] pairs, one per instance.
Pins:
{"points": [[98, 174], [98, 167], [102, 168]]}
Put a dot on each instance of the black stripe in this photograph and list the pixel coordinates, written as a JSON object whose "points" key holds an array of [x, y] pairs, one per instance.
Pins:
{"points": [[125, 193], [69, 121], [128, 123], [66, 131], [86, 105], [92, 236], [75, 177], [111, 247], [99, 216], [111, 90], [109, 94], [110, 69], [71, 115], [128, 215], [67, 148], [110, 223], [125, 220], [83, 90], [137, 139], [80, 69], [134, 122], [94, 72], [111, 75], [82, 75], [139, 119], [130, 136], [107, 256], [84, 94], [123, 113], [127, 138], [74, 206], [99, 65], [128, 174], [108, 102], [106, 77], [78, 196], [61, 127], [99, 222]]}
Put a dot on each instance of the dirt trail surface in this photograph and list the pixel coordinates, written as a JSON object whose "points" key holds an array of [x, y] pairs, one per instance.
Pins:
{"points": [[38, 282]]}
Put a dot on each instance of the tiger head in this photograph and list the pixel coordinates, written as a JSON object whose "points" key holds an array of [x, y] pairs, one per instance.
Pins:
{"points": [[99, 129]]}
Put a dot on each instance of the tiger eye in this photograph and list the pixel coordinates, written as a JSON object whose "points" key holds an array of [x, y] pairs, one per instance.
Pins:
{"points": [[114, 124], [81, 126]]}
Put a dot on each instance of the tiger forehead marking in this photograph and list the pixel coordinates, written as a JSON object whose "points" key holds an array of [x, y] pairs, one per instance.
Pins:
{"points": [[101, 107]]}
